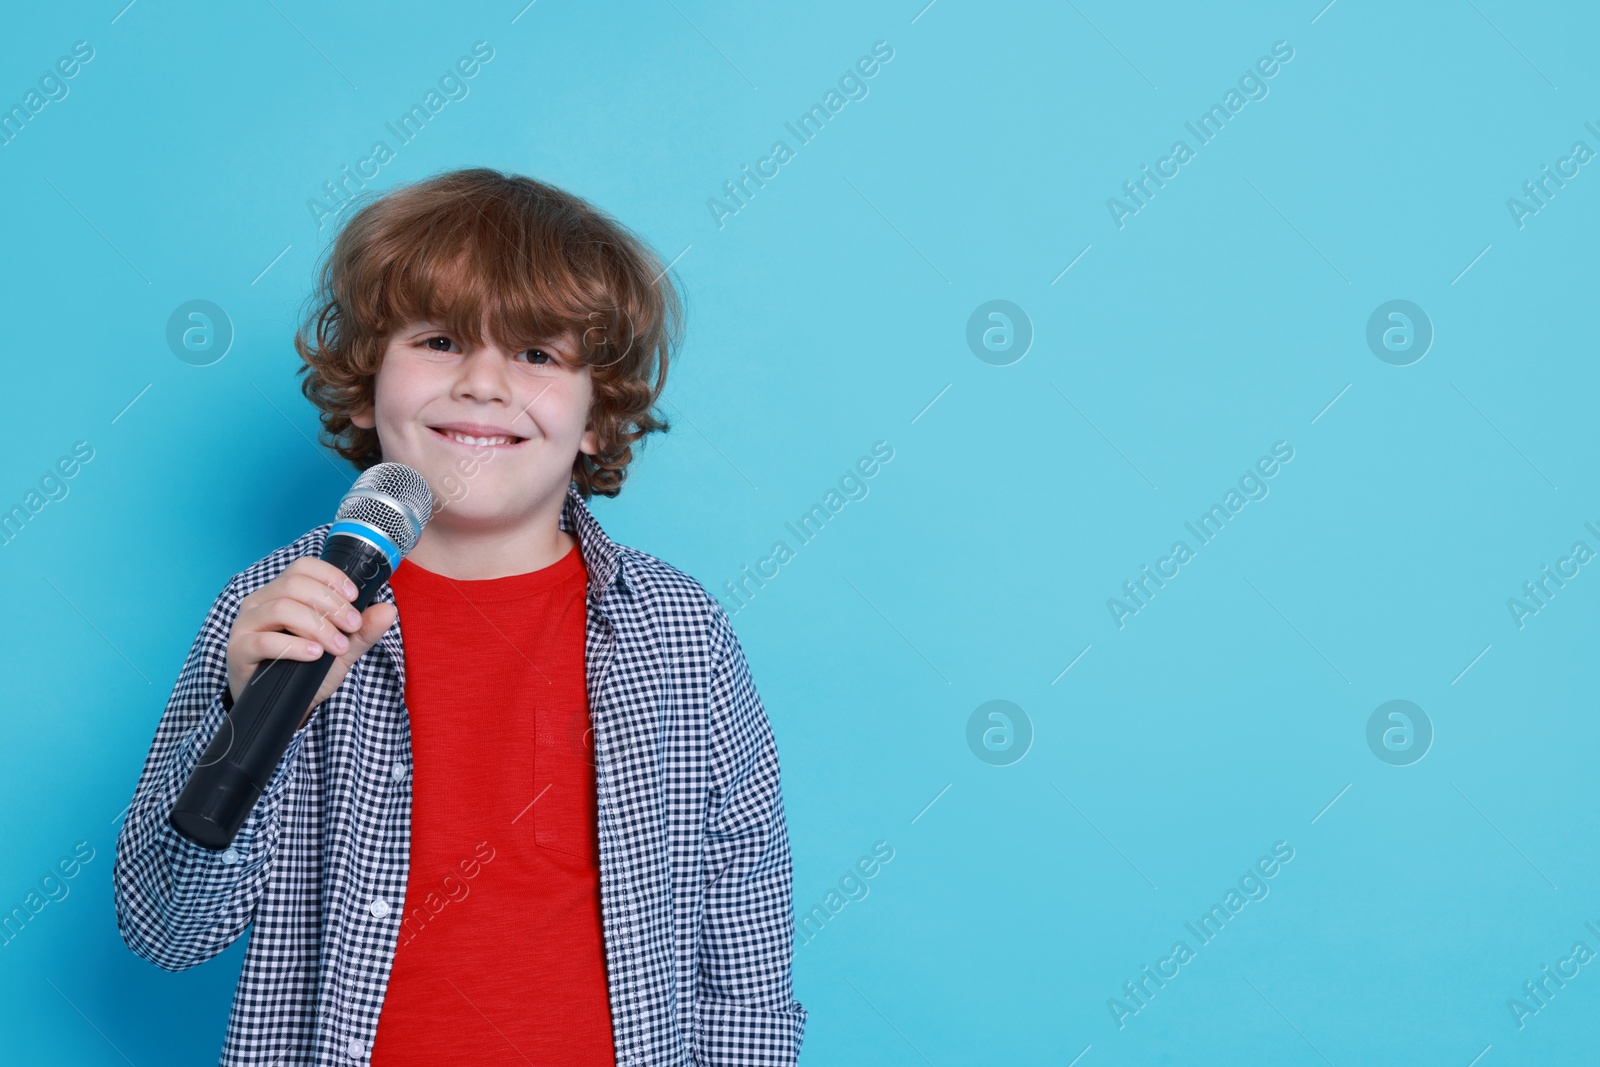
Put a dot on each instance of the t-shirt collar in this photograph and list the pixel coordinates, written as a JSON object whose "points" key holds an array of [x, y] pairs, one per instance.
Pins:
{"points": [[600, 558]]}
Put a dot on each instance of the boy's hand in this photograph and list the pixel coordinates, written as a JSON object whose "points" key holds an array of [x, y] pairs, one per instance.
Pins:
{"points": [[311, 601]]}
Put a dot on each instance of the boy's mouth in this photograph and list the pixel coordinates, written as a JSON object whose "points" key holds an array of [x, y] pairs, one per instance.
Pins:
{"points": [[478, 440]]}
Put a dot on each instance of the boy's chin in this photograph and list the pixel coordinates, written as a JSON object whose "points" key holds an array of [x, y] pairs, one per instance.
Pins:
{"points": [[481, 513]]}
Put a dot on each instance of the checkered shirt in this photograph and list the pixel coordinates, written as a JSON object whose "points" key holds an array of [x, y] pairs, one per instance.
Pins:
{"points": [[694, 851]]}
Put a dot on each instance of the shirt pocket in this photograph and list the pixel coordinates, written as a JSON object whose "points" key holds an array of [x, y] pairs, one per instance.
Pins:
{"points": [[563, 781]]}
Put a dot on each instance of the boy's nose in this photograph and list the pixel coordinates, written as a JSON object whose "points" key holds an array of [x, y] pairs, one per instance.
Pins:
{"points": [[483, 375]]}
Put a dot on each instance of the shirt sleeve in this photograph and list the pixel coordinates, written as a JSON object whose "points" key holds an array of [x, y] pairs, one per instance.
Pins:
{"points": [[745, 1011], [179, 904]]}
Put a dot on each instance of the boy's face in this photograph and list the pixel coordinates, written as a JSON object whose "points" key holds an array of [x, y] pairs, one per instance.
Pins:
{"points": [[428, 381]]}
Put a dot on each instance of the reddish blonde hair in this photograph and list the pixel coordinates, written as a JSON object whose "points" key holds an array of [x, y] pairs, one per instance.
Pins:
{"points": [[534, 261]]}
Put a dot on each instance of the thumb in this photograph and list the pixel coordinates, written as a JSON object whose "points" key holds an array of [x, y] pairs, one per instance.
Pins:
{"points": [[375, 622]]}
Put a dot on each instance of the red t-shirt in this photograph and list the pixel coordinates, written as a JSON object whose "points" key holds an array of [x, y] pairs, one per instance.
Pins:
{"points": [[500, 956]]}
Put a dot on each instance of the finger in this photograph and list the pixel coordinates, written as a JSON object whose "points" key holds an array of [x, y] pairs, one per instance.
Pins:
{"points": [[375, 622], [322, 571], [258, 649], [332, 606], [301, 620]]}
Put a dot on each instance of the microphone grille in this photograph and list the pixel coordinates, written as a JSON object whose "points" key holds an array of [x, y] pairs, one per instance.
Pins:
{"points": [[392, 498]]}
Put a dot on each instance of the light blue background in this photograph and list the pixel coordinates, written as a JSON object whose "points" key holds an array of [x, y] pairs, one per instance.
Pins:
{"points": [[829, 314]]}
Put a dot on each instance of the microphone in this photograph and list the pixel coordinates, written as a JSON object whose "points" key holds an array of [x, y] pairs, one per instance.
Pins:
{"points": [[378, 522]]}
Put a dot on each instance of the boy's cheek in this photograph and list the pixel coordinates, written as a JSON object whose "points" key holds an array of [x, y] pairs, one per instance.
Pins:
{"points": [[454, 488]]}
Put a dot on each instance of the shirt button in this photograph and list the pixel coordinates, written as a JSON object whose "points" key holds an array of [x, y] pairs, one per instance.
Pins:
{"points": [[379, 907], [230, 857], [356, 1048], [398, 771]]}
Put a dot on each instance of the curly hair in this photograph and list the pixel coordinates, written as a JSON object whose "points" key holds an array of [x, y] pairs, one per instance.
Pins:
{"points": [[475, 246]]}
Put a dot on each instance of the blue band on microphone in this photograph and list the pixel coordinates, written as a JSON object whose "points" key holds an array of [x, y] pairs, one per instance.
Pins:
{"points": [[369, 533]]}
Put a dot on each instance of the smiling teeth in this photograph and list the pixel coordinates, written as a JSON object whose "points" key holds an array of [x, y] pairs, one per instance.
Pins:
{"points": [[469, 440]]}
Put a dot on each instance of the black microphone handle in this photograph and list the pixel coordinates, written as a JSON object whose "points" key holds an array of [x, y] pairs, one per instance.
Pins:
{"points": [[249, 744]]}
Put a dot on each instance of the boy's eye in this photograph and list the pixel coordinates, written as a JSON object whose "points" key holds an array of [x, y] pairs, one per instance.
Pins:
{"points": [[537, 357]]}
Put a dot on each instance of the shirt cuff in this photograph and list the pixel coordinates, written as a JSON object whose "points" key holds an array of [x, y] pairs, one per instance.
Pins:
{"points": [[733, 1033]]}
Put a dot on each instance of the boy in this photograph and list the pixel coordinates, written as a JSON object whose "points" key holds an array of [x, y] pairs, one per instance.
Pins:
{"points": [[444, 867]]}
